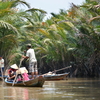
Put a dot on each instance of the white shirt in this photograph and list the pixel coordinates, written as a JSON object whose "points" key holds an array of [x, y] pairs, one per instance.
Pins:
{"points": [[31, 54], [1, 63]]}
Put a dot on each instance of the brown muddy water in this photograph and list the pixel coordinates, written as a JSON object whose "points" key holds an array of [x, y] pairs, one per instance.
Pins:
{"points": [[71, 89]]}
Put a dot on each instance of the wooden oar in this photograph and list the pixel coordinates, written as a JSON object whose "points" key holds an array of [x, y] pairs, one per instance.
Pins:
{"points": [[61, 69], [17, 74]]}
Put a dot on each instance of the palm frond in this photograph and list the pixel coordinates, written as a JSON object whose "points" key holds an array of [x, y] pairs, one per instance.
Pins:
{"points": [[8, 26], [34, 9], [94, 18]]}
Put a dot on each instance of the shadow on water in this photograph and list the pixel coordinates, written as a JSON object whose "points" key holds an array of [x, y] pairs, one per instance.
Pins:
{"points": [[71, 89]]}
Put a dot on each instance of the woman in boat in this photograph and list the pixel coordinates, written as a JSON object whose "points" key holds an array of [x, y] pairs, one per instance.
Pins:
{"points": [[12, 72], [22, 74]]}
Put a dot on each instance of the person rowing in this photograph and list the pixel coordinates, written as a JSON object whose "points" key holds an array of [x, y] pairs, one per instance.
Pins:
{"points": [[30, 54]]}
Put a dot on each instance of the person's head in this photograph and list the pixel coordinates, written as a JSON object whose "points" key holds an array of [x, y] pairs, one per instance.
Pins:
{"points": [[28, 45], [0, 57]]}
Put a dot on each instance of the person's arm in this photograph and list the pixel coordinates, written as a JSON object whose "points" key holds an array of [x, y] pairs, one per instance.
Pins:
{"points": [[25, 57], [11, 77]]}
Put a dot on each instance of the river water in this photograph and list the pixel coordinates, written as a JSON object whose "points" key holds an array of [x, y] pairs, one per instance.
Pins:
{"points": [[71, 89]]}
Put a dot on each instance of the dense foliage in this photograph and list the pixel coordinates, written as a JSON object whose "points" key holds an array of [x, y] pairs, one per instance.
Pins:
{"points": [[71, 37]]}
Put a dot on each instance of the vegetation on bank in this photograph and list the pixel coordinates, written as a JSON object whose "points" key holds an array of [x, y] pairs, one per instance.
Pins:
{"points": [[71, 37]]}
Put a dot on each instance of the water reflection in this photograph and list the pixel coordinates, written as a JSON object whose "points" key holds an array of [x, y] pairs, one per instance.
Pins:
{"points": [[11, 93], [71, 89]]}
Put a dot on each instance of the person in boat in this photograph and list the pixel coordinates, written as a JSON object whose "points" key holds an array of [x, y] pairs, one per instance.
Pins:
{"points": [[1, 65], [30, 54], [22, 74], [12, 72]]}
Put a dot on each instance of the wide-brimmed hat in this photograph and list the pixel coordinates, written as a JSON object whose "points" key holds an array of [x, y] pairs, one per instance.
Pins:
{"points": [[21, 70], [14, 66]]}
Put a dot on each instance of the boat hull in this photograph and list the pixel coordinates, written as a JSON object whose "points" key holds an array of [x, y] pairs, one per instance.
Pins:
{"points": [[37, 82], [56, 77]]}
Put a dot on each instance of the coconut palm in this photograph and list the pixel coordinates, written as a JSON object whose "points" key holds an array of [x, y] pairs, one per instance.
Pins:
{"points": [[88, 36], [82, 36], [8, 29]]}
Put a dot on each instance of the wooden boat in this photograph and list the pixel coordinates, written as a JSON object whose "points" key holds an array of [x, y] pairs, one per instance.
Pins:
{"points": [[54, 77], [37, 82]]}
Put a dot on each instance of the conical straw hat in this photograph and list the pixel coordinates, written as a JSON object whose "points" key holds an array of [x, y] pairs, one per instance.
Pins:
{"points": [[14, 66]]}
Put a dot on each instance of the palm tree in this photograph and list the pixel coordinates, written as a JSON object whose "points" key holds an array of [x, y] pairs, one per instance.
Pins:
{"points": [[87, 49], [8, 30], [80, 36]]}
